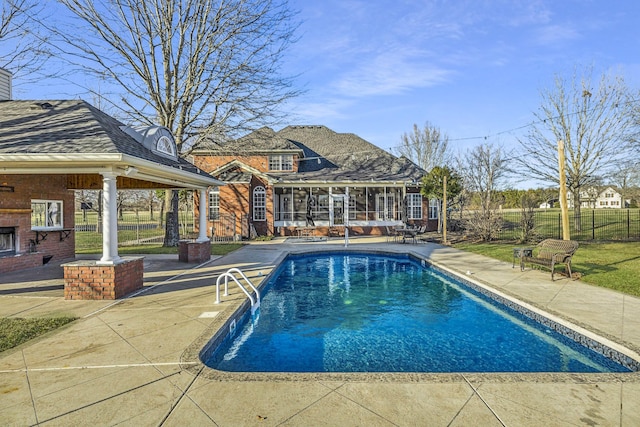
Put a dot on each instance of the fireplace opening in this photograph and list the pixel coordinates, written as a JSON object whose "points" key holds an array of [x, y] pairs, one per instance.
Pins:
{"points": [[7, 241]]}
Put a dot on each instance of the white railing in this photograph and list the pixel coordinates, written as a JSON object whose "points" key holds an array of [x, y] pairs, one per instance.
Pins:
{"points": [[229, 274]]}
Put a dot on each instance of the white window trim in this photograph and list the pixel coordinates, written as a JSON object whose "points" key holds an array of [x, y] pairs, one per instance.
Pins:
{"points": [[277, 162], [214, 204], [414, 201], [52, 207], [166, 145], [434, 207], [259, 204]]}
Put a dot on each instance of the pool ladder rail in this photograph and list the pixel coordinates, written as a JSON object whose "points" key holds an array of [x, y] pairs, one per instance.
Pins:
{"points": [[229, 274]]}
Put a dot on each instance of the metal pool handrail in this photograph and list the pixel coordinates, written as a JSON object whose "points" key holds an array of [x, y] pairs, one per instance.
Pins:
{"points": [[255, 304]]}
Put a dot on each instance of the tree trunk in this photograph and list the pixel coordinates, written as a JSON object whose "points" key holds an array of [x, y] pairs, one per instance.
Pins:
{"points": [[172, 229], [576, 211]]}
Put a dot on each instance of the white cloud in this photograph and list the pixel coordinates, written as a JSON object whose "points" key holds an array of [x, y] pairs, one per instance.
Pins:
{"points": [[313, 111], [554, 34], [388, 74]]}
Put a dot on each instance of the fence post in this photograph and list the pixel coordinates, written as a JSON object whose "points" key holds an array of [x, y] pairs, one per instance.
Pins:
{"points": [[559, 226], [593, 224]]}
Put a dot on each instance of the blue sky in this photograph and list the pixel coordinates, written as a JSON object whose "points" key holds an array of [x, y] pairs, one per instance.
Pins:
{"points": [[473, 68]]}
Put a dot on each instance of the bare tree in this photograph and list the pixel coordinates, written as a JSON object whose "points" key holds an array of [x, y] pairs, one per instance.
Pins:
{"points": [[427, 147], [484, 169], [207, 70], [626, 178], [203, 69], [595, 124], [23, 49]]}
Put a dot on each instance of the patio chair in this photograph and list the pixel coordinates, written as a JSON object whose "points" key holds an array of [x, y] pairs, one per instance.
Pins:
{"points": [[392, 234]]}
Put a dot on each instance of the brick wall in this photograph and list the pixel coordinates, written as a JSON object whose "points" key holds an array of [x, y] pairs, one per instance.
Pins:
{"points": [[209, 163], [194, 251], [88, 280], [15, 211]]}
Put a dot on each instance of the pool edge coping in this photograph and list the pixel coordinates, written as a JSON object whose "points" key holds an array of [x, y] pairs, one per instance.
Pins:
{"points": [[191, 358]]}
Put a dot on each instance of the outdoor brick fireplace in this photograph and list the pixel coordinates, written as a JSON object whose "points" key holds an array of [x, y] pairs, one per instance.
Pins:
{"points": [[7, 241], [21, 245]]}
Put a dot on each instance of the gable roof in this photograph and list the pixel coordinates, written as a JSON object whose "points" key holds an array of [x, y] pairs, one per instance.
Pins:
{"points": [[345, 157], [238, 172], [323, 155], [75, 137]]}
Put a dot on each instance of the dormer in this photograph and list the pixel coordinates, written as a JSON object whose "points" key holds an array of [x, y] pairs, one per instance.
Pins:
{"points": [[158, 139]]}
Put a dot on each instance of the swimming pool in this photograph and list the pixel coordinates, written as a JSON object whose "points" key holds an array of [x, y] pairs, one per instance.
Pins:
{"points": [[354, 312]]}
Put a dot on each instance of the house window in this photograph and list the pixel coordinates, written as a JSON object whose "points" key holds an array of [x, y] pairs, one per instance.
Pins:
{"points": [[414, 206], [214, 204], [259, 204], [46, 214], [165, 145], [281, 162], [385, 207], [433, 209]]}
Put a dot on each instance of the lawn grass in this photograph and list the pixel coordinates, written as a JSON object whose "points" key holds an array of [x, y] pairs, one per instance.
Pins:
{"points": [[15, 331], [614, 265], [157, 248]]}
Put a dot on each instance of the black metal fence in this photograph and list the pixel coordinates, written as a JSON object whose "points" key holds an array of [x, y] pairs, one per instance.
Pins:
{"points": [[134, 228], [592, 224], [229, 227]]}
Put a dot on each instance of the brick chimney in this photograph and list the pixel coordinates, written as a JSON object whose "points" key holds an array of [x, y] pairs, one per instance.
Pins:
{"points": [[5, 85]]}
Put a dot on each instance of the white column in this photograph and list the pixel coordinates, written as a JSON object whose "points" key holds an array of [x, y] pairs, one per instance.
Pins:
{"points": [[346, 206], [202, 234], [109, 219], [330, 206]]}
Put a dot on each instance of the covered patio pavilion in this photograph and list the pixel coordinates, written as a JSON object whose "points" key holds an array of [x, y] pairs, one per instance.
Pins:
{"points": [[50, 148]]}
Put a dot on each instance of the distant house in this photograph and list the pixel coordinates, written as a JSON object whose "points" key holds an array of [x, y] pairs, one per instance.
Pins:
{"points": [[311, 178], [600, 198]]}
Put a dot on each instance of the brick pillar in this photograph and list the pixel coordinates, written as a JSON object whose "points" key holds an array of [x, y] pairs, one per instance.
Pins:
{"points": [[90, 280], [194, 252]]}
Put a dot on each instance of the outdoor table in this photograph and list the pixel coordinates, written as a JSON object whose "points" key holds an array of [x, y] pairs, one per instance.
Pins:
{"points": [[408, 232]]}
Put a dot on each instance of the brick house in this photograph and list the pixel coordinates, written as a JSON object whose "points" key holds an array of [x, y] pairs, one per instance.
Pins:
{"points": [[48, 149], [310, 178]]}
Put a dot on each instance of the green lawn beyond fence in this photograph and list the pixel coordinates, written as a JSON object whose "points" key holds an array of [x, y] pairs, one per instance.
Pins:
{"points": [[595, 224], [134, 228]]}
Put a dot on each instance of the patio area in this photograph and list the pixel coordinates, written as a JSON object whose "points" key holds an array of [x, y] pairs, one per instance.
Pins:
{"points": [[133, 361]]}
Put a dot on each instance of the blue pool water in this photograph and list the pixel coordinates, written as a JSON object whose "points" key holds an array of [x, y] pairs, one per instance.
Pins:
{"points": [[350, 312]]}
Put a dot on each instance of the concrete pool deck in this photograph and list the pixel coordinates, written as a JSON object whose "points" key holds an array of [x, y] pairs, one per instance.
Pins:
{"points": [[131, 362]]}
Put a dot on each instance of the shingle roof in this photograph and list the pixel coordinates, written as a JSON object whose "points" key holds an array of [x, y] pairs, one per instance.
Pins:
{"points": [[344, 157], [69, 127], [262, 140]]}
